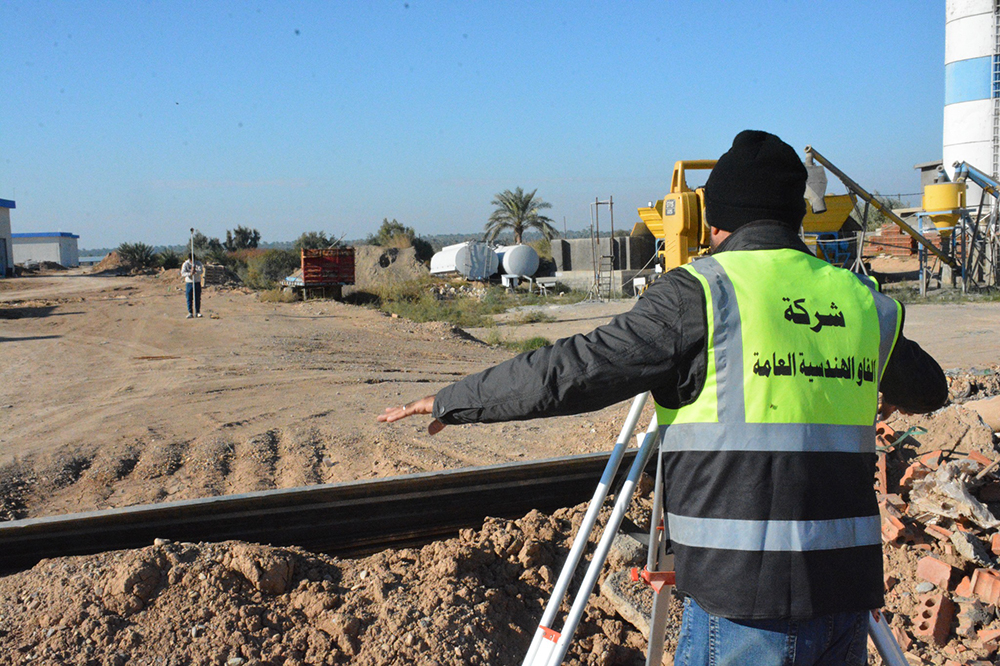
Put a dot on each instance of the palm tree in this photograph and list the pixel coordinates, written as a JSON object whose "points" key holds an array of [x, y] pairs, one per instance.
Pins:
{"points": [[518, 211]]}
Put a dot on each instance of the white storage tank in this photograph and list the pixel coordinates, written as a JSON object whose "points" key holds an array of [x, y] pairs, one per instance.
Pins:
{"points": [[473, 260], [520, 260], [970, 112]]}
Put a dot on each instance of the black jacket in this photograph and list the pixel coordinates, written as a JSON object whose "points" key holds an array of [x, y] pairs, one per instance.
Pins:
{"points": [[658, 346]]}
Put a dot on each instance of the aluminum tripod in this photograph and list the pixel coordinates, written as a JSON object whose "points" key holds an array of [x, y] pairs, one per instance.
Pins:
{"points": [[549, 647]]}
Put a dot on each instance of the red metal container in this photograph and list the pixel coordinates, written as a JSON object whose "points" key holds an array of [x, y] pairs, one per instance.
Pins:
{"points": [[326, 268]]}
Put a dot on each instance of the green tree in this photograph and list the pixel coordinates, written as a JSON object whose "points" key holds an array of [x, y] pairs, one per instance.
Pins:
{"points": [[241, 238], [314, 240], [205, 246], [518, 211], [395, 234], [137, 255], [267, 269], [170, 258]]}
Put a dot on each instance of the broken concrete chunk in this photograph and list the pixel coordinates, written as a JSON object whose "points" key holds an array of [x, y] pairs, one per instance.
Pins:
{"points": [[971, 549], [988, 410], [946, 493]]}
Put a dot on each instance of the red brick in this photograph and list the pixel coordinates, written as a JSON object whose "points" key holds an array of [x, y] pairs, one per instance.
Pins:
{"points": [[938, 532], [934, 615], [889, 581], [931, 460], [979, 458], [986, 585], [892, 529], [915, 471], [895, 501], [902, 637], [988, 635], [881, 474], [935, 571], [964, 588], [995, 544]]}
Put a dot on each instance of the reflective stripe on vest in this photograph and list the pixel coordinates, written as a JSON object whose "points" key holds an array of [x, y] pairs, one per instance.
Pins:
{"points": [[718, 420], [775, 535]]}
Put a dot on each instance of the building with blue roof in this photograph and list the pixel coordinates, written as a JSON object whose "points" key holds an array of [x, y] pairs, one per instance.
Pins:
{"points": [[56, 246]]}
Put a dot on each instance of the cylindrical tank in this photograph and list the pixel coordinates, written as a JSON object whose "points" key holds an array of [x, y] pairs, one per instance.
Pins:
{"points": [[969, 114], [473, 260], [520, 260], [944, 201]]}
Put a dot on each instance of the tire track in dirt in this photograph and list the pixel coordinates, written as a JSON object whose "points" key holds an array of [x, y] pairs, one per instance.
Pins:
{"points": [[206, 468], [300, 459], [253, 464], [17, 482]]}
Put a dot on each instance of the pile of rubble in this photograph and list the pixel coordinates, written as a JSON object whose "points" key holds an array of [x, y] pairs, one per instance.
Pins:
{"points": [[939, 491]]}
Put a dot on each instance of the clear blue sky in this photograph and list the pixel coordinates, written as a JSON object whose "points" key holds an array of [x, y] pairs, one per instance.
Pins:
{"points": [[126, 121]]}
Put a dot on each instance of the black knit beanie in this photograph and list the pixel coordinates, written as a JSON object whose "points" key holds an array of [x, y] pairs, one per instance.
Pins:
{"points": [[759, 178]]}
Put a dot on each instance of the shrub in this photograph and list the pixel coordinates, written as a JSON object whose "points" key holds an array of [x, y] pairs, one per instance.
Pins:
{"points": [[265, 270], [170, 258], [137, 255], [278, 295], [530, 344]]}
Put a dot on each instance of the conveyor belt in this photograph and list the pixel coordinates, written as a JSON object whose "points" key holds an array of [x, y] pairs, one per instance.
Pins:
{"points": [[342, 519]]}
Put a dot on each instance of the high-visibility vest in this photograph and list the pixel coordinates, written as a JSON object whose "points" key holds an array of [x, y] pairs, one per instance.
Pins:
{"points": [[769, 472]]}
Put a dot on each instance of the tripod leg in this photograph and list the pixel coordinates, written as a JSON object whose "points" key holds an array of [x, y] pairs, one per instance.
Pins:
{"points": [[885, 642], [542, 643], [658, 619], [650, 443], [658, 560]]}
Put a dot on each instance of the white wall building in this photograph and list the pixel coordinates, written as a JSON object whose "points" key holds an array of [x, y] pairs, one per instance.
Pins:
{"points": [[57, 246], [6, 242]]}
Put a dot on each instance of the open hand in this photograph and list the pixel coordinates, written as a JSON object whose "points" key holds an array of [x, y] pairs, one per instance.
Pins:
{"points": [[424, 405]]}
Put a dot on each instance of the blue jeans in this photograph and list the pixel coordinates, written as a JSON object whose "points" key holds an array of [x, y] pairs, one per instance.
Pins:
{"points": [[706, 639], [193, 292]]}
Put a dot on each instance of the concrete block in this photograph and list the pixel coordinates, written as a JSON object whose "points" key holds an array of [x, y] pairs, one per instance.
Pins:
{"points": [[934, 615]]}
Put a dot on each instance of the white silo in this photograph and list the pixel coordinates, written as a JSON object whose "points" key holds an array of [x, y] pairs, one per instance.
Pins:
{"points": [[971, 107]]}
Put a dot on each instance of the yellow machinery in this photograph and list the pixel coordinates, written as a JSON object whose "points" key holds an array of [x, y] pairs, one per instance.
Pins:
{"points": [[943, 203], [678, 219]]}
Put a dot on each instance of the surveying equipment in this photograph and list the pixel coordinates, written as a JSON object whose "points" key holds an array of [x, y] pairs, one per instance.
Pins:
{"points": [[549, 647]]}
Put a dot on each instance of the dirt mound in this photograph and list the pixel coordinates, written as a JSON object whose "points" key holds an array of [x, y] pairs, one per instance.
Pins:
{"points": [[374, 265], [112, 262], [473, 599]]}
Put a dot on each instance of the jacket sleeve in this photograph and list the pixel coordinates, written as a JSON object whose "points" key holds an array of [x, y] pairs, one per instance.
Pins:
{"points": [[913, 381], [644, 349]]}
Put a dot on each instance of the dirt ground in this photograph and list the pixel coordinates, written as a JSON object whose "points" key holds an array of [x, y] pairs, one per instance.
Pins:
{"points": [[112, 398]]}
